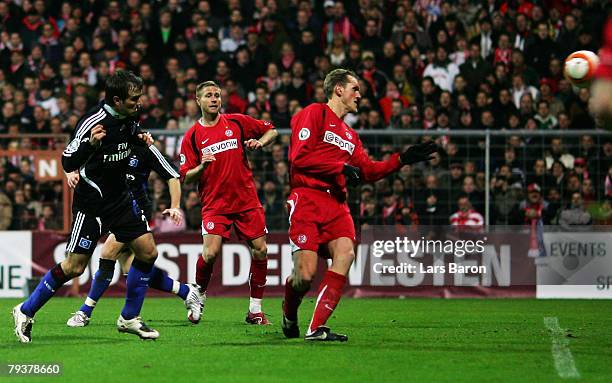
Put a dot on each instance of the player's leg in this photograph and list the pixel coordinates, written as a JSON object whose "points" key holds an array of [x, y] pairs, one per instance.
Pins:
{"points": [[84, 236], [215, 228], [132, 228], [304, 220], [251, 225], [330, 290], [211, 248], [257, 280], [100, 283], [296, 286]]}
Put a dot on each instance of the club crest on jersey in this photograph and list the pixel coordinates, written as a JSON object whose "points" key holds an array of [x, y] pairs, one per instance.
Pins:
{"points": [[221, 146], [210, 225], [304, 134], [229, 133], [182, 159], [334, 139], [349, 135], [302, 239], [84, 243], [133, 162]]}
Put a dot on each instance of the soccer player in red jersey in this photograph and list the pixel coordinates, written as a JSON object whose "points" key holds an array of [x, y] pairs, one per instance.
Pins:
{"points": [[213, 153], [601, 100], [325, 154]]}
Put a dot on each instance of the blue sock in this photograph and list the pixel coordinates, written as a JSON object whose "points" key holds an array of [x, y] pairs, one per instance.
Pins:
{"points": [[137, 285], [161, 281], [53, 280], [100, 283], [183, 291]]}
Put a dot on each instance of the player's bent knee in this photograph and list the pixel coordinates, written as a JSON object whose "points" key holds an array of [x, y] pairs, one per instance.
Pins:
{"points": [[211, 253], [260, 252], [74, 265]]}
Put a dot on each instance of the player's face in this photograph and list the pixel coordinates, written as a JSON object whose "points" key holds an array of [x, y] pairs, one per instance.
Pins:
{"points": [[130, 105], [210, 100], [350, 95]]}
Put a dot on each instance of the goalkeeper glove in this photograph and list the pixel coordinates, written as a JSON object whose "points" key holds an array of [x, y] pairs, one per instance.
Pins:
{"points": [[351, 174], [418, 153]]}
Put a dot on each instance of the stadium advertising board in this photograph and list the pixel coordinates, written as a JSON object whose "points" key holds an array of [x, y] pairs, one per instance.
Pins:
{"points": [[576, 265], [396, 261], [15, 262]]}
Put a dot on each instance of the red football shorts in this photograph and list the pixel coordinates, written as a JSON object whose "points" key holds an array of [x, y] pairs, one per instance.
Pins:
{"points": [[316, 218], [249, 224]]}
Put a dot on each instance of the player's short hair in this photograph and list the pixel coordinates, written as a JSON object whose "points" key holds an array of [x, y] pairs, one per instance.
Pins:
{"points": [[336, 77], [119, 84], [205, 84]]}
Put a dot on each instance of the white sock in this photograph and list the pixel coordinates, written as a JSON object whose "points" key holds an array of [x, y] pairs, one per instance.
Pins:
{"points": [[90, 302], [254, 305], [176, 285]]}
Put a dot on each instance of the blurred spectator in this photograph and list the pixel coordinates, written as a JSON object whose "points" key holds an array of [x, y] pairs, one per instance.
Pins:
{"points": [[534, 208], [6, 211], [465, 215], [575, 213]]}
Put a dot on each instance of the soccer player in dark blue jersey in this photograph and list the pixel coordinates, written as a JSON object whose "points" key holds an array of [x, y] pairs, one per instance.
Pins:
{"points": [[100, 149]]}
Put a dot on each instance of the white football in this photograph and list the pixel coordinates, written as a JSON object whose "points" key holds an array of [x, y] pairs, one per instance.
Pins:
{"points": [[580, 67]]}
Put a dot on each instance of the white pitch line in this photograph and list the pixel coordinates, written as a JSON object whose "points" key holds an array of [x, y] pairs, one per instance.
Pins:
{"points": [[564, 362]]}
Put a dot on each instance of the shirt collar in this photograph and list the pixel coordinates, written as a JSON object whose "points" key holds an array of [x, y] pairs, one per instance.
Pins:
{"points": [[113, 112]]}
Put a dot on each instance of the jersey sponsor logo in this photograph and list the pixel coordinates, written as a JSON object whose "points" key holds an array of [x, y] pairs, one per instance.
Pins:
{"points": [[210, 225], [183, 159], [229, 132], [302, 239], [133, 162], [334, 139], [304, 134], [117, 156], [84, 243], [221, 146]]}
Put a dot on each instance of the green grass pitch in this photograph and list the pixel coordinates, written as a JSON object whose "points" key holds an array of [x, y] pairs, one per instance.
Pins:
{"points": [[390, 340]]}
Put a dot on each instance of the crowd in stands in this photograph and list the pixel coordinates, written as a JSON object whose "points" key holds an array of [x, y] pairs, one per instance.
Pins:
{"points": [[424, 64]]}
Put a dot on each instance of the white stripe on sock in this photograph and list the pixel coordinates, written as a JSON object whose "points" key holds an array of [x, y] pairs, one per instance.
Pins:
{"points": [[90, 302], [310, 329], [176, 285]]}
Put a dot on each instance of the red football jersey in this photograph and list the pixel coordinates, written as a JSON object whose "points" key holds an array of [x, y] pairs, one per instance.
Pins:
{"points": [[226, 185], [321, 143]]}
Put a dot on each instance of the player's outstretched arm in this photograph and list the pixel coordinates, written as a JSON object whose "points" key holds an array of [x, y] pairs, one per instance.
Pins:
{"points": [[80, 149], [419, 153], [266, 139], [174, 212]]}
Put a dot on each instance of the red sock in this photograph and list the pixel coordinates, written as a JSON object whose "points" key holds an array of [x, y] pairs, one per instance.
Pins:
{"points": [[257, 278], [330, 292], [203, 273], [293, 299]]}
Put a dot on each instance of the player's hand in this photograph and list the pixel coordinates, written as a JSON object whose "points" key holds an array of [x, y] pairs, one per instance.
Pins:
{"points": [[175, 214], [147, 138], [73, 179], [97, 134], [418, 153], [207, 158], [253, 144], [352, 175]]}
